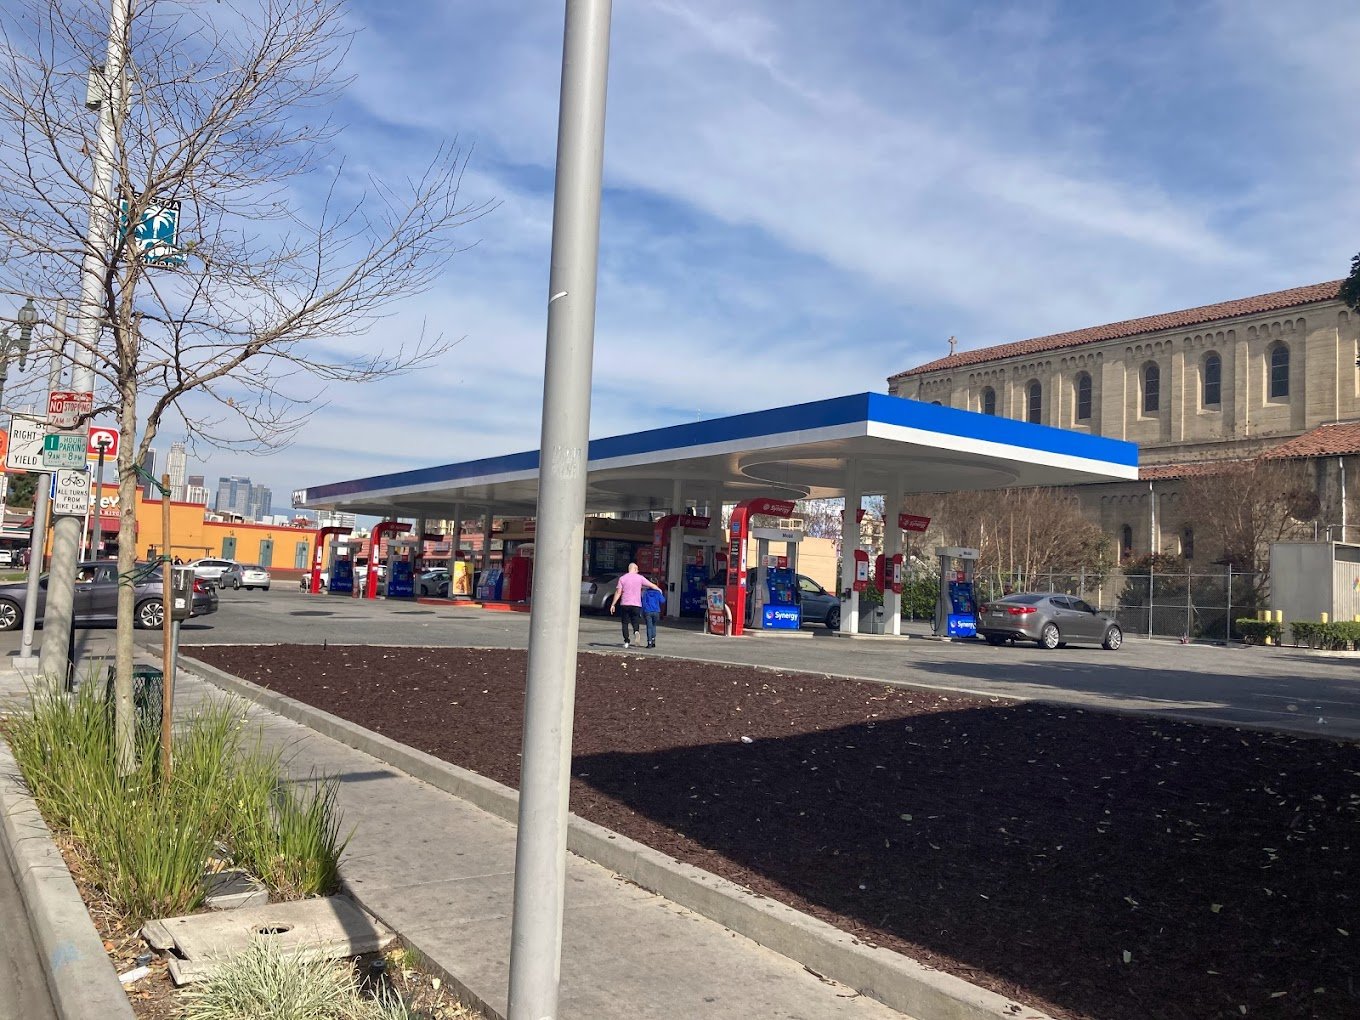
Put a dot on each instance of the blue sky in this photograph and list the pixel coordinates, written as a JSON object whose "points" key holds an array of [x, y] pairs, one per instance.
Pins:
{"points": [[802, 198]]}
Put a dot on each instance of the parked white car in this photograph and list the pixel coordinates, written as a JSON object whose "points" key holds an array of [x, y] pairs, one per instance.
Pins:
{"points": [[222, 573], [305, 581]]}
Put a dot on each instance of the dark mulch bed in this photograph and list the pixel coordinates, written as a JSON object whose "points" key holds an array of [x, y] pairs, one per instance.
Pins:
{"points": [[1087, 864]]}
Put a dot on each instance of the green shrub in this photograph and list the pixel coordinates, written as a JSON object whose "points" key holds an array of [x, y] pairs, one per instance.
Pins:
{"points": [[1254, 632], [1337, 636], [920, 592], [147, 841]]}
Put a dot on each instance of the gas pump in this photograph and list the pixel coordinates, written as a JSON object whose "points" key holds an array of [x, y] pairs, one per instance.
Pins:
{"points": [[401, 577], [736, 593], [682, 555], [956, 609], [380, 531], [319, 553], [776, 587], [341, 570]]}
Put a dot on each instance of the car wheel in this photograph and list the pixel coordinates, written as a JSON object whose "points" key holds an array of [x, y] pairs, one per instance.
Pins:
{"points": [[1114, 637], [833, 618], [1049, 637], [10, 615], [265, 588], [995, 639], [149, 615]]}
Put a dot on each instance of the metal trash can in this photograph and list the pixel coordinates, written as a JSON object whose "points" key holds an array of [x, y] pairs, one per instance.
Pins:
{"points": [[148, 694]]}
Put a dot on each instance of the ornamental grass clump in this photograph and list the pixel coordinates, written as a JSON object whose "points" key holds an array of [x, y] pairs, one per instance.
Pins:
{"points": [[268, 983], [287, 831], [146, 841]]}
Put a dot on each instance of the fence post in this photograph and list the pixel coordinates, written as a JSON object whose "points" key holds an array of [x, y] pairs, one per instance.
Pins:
{"points": [[1227, 627], [1081, 583], [1189, 606], [1152, 597]]}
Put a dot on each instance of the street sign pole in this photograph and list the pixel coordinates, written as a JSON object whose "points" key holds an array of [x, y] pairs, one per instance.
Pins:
{"points": [[97, 508]]}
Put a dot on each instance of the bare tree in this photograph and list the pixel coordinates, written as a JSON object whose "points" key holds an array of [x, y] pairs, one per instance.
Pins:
{"points": [[220, 111], [1240, 509], [1021, 533]]}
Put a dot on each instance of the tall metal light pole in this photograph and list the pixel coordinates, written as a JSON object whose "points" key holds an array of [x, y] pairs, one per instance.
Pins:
{"points": [[107, 94], [541, 846], [27, 316]]}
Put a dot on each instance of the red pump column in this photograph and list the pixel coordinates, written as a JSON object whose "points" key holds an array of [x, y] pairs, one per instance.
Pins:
{"points": [[380, 531], [319, 555], [738, 531]]}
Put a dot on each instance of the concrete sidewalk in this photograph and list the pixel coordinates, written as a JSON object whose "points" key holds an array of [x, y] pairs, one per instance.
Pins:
{"points": [[440, 871], [432, 856]]}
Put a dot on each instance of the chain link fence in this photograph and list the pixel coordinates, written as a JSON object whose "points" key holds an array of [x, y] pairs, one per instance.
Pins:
{"points": [[1190, 606]]}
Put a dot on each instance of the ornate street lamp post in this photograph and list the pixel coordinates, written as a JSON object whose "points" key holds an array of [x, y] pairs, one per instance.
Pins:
{"points": [[26, 317]]}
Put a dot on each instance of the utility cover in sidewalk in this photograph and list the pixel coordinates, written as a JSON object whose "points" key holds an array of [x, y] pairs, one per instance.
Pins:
{"points": [[332, 927]]}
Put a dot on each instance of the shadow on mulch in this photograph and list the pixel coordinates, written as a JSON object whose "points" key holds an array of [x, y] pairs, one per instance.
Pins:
{"points": [[1090, 865]]}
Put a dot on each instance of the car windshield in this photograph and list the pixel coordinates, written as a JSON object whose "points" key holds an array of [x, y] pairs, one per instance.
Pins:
{"points": [[1025, 600]]}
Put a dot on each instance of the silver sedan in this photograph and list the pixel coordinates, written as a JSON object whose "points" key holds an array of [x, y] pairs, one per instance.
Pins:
{"points": [[1050, 619]]}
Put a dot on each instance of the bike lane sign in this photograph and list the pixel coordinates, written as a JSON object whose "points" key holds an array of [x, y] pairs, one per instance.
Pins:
{"points": [[70, 493]]}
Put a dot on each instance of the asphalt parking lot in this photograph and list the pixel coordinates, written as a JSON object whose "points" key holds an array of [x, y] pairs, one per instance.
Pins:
{"points": [[1277, 688]]}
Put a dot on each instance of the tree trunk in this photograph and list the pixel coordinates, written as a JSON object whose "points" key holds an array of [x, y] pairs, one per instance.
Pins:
{"points": [[125, 734]]}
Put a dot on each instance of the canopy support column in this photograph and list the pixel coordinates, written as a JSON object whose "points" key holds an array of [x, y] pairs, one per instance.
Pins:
{"points": [[892, 545], [851, 539]]}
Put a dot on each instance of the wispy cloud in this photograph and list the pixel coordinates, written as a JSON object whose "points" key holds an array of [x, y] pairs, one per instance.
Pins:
{"points": [[803, 198]]}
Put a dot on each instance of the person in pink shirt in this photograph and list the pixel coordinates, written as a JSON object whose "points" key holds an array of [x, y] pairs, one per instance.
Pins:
{"points": [[628, 593]]}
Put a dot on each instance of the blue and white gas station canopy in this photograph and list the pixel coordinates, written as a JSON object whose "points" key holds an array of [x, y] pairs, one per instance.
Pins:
{"points": [[803, 451]]}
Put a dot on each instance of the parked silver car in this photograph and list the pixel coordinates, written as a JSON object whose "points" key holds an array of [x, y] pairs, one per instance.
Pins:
{"points": [[596, 591], [1050, 619], [223, 573], [433, 583], [96, 596], [251, 575]]}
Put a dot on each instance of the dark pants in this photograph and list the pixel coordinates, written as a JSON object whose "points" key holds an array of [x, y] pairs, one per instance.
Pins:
{"points": [[652, 620], [631, 618]]}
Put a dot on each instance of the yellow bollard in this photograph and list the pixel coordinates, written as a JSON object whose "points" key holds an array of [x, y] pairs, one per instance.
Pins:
{"points": [[1324, 617]]}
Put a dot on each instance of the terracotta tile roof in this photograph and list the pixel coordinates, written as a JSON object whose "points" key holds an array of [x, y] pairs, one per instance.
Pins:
{"points": [[1199, 469], [1333, 440], [1131, 327]]}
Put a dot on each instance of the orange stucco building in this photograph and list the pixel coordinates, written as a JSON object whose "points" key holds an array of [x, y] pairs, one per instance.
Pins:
{"points": [[191, 536]]}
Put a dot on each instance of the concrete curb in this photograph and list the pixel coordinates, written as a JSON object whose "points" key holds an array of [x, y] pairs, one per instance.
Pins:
{"points": [[80, 975], [891, 978]]}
